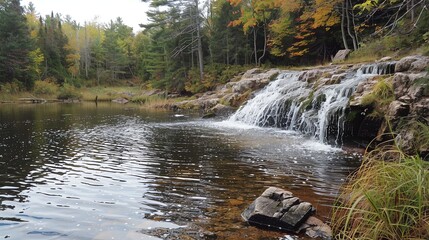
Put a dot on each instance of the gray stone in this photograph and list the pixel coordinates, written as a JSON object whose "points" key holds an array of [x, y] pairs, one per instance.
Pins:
{"points": [[404, 64], [310, 76], [420, 65], [421, 108], [341, 55], [401, 83], [244, 85], [315, 228], [337, 78], [297, 214], [221, 110], [398, 109], [276, 193], [279, 209]]}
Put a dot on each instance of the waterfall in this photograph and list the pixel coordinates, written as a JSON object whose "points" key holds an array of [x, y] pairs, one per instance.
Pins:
{"points": [[313, 107]]}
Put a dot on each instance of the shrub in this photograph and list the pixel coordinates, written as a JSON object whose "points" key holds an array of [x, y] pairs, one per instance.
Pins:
{"points": [[45, 88], [13, 87], [68, 91]]}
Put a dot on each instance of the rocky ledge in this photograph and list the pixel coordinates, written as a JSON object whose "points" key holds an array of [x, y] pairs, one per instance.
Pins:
{"points": [[397, 93], [278, 209], [227, 98]]}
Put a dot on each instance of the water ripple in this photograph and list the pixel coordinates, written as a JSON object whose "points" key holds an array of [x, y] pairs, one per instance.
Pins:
{"points": [[88, 175]]}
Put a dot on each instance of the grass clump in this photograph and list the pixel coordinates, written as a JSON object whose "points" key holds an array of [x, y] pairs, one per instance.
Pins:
{"points": [[386, 198], [379, 98]]}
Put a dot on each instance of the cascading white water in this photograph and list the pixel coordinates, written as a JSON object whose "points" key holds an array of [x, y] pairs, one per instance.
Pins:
{"points": [[293, 103]]}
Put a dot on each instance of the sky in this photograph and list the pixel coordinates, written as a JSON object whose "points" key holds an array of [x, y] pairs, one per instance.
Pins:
{"points": [[132, 12]]}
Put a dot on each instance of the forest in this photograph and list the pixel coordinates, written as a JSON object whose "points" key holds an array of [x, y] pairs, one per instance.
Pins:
{"points": [[190, 46]]}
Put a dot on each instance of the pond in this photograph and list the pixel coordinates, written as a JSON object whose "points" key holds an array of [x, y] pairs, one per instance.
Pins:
{"points": [[106, 171]]}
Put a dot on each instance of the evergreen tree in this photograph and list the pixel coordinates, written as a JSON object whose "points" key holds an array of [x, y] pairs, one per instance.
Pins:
{"points": [[15, 43], [118, 46], [53, 44]]}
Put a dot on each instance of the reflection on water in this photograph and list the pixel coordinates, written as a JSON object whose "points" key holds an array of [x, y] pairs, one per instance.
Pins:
{"points": [[112, 172]]}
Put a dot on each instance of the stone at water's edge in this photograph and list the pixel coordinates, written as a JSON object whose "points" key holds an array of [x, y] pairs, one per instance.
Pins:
{"points": [[280, 210], [341, 55]]}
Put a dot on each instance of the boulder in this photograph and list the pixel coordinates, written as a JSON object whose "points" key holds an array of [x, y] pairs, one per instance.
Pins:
{"points": [[412, 63], [421, 108], [219, 110], [278, 209], [420, 64], [401, 83], [341, 55], [398, 109], [244, 85]]}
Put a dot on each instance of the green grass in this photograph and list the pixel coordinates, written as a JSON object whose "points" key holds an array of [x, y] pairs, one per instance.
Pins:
{"points": [[379, 98], [108, 93], [387, 197]]}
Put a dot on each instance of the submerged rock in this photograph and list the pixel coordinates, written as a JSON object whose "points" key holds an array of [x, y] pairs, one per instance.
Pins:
{"points": [[315, 228], [219, 110], [278, 209]]}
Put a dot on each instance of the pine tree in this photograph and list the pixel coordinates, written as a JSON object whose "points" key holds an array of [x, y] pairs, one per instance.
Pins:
{"points": [[15, 43]]}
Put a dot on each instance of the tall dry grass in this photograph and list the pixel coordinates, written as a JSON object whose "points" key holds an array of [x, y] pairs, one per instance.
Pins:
{"points": [[387, 197]]}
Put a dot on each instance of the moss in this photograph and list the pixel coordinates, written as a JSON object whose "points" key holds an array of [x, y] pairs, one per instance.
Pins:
{"points": [[274, 76], [352, 115], [306, 104]]}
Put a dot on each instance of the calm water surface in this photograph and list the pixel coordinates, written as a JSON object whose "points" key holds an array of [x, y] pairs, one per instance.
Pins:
{"points": [[81, 171]]}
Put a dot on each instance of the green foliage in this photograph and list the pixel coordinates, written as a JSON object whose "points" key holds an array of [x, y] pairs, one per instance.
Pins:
{"points": [[375, 48], [215, 75], [69, 92], [45, 88], [387, 198], [52, 43], [15, 43], [13, 87], [379, 98], [306, 104]]}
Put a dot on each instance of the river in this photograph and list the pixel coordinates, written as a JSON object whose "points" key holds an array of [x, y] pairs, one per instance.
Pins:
{"points": [[108, 171]]}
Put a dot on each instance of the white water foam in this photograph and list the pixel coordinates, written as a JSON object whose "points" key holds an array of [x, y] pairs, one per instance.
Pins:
{"points": [[290, 102]]}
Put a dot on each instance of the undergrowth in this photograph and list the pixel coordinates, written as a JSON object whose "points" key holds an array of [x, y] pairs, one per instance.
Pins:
{"points": [[387, 197]]}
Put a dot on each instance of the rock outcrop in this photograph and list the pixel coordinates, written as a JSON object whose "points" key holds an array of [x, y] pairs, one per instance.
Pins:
{"points": [[406, 101], [278, 209], [406, 96], [231, 95]]}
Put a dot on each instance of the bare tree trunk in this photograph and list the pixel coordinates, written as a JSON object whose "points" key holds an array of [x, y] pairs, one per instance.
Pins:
{"points": [[199, 44], [86, 52], [348, 26], [354, 25], [265, 44], [254, 46], [227, 48], [343, 33]]}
